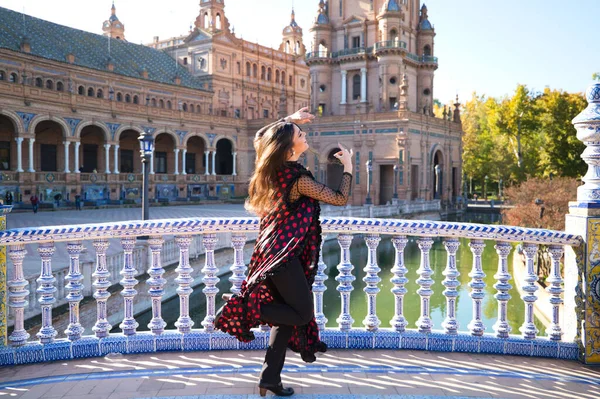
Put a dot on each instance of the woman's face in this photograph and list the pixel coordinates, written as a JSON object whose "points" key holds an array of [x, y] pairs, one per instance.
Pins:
{"points": [[299, 144]]}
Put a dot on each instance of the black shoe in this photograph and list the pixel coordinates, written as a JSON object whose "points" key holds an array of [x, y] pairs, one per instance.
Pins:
{"points": [[277, 389]]}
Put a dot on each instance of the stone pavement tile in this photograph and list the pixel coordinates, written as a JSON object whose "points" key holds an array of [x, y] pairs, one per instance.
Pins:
{"points": [[60, 389], [36, 391], [104, 388], [422, 391], [89, 396], [187, 391], [129, 384], [381, 390], [84, 387], [563, 389], [343, 390], [150, 385]]}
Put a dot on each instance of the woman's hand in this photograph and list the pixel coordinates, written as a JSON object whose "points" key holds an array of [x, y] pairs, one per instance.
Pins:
{"points": [[300, 117], [345, 157]]}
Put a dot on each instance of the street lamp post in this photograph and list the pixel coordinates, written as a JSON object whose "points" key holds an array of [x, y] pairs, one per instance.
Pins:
{"points": [[146, 149], [485, 183], [396, 168], [369, 165]]}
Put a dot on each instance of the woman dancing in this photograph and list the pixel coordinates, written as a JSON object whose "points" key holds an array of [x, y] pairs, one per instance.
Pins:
{"points": [[278, 289]]}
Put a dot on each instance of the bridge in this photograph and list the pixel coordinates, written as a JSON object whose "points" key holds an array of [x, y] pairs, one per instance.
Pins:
{"points": [[383, 357]]}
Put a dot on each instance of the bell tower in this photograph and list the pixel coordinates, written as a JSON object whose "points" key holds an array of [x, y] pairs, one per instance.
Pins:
{"points": [[292, 38], [212, 16], [112, 27]]}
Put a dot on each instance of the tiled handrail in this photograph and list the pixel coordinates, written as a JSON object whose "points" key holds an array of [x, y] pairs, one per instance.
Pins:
{"points": [[375, 334]]}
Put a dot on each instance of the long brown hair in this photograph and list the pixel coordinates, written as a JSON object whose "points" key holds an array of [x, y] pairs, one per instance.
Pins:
{"points": [[272, 145]]}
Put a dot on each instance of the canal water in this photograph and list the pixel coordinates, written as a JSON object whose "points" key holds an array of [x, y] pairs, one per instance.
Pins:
{"points": [[385, 299]]}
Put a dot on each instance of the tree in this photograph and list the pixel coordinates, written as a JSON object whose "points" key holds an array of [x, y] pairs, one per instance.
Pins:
{"points": [[596, 76]]}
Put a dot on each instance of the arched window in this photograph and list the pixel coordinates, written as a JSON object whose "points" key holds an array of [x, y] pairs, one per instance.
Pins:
{"points": [[2, 75], [291, 80], [154, 102], [393, 35], [100, 93], [184, 107], [119, 96], [198, 109], [49, 85], [277, 76], [185, 61], [218, 21], [248, 69], [427, 50], [91, 92], [161, 104], [169, 105], [282, 77], [81, 90], [323, 50], [136, 99], [60, 86], [297, 47], [127, 98], [287, 47], [262, 72], [14, 78], [255, 70], [38, 82], [269, 74], [206, 21], [356, 87]]}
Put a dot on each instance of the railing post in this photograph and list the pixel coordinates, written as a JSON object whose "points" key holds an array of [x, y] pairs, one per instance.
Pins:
{"points": [[75, 288], [102, 283], [3, 298], [528, 328], [399, 271], [46, 290], [345, 279], [210, 280], [451, 282], [319, 288], [371, 279], [18, 295], [238, 269], [477, 286], [555, 289], [425, 282], [582, 270], [156, 284], [184, 323], [129, 325], [501, 327]]}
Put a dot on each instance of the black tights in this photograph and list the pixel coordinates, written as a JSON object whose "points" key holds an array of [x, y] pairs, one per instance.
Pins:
{"points": [[293, 306]]}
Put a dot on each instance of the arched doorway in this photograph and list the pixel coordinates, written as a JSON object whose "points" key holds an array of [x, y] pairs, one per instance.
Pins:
{"points": [[334, 170], [49, 137], [8, 151], [164, 158], [224, 159], [438, 175], [129, 152], [195, 161], [91, 150]]}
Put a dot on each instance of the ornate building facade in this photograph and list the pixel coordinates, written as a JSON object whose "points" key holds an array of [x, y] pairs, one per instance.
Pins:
{"points": [[372, 66], [73, 104]]}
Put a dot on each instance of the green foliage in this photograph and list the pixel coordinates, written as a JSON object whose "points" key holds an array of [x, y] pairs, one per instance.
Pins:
{"points": [[524, 135], [596, 76]]}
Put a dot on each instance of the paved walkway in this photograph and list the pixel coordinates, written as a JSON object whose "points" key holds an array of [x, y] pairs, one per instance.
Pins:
{"points": [[336, 374]]}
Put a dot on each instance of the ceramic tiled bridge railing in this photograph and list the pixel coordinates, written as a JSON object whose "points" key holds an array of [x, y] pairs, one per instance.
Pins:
{"points": [[99, 341]]}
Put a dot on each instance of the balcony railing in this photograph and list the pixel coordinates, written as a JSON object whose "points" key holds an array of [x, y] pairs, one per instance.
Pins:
{"points": [[318, 54], [96, 340], [390, 44]]}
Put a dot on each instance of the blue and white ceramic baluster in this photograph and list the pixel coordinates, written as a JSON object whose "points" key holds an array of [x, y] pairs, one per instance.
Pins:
{"points": [[319, 288], [74, 288], [238, 269], [555, 290], [371, 279], [528, 329], [46, 290], [345, 279], [451, 283], [102, 283], [425, 282], [501, 327], [129, 325], [18, 294], [184, 323], [477, 285], [210, 281], [399, 271], [156, 283]]}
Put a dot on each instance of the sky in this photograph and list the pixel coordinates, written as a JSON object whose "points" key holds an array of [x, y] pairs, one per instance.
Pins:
{"points": [[483, 46]]}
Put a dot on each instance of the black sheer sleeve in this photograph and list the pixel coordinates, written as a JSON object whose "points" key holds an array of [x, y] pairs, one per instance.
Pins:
{"points": [[309, 187]]}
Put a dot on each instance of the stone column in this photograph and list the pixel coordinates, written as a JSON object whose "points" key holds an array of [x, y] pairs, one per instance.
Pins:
{"points": [[234, 164], [116, 167], [184, 153], [19, 141], [582, 270], [344, 74], [214, 160], [363, 85], [176, 151], [66, 144], [107, 158], [77, 144], [206, 159], [31, 141]]}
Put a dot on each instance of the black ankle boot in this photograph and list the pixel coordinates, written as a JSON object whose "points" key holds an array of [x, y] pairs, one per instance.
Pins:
{"points": [[277, 389]]}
